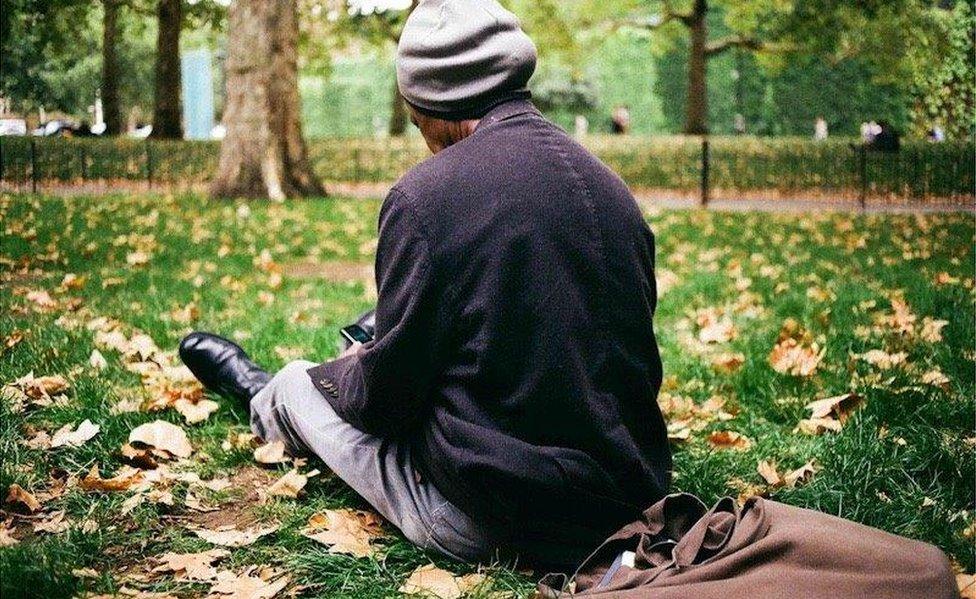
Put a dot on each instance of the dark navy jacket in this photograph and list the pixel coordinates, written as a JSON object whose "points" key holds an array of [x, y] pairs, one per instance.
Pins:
{"points": [[515, 350]]}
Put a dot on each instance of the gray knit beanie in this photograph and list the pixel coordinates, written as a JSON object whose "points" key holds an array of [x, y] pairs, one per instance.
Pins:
{"points": [[459, 58]]}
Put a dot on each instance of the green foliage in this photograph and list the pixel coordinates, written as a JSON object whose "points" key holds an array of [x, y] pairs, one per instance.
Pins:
{"points": [[945, 78]]}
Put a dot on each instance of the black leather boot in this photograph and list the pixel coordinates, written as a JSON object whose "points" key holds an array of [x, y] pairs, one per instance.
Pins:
{"points": [[222, 366]]}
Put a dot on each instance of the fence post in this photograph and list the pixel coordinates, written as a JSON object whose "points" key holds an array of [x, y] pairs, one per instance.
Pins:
{"points": [[704, 172], [149, 164], [862, 172], [33, 157]]}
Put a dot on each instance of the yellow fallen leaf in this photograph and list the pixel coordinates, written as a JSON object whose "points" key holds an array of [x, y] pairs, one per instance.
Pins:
{"points": [[882, 359], [270, 453], [18, 496], [931, 330], [126, 478], [839, 407], [817, 426], [194, 412], [790, 357], [767, 470], [42, 386], [728, 362], [729, 440], [936, 378], [163, 435], [250, 584], [801, 475], [232, 537], [74, 437], [431, 581], [344, 531], [290, 484], [191, 566]]}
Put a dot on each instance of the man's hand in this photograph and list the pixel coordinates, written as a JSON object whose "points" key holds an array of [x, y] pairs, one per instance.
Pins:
{"points": [[352, 350]]}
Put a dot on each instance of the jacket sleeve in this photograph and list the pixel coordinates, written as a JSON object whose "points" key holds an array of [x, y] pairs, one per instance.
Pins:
{"points": [[383, 389]]}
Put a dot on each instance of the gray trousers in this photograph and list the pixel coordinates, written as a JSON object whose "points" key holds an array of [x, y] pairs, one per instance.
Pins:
{"points": [[291, 409]]}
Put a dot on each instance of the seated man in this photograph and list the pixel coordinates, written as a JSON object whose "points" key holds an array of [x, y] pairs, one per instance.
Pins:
{"points": [[507, 402]]}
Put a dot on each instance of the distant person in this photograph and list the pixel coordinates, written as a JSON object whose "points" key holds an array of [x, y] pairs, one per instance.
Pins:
{"points": [[936, 135], [581, 125], [820, 129], [620, 120], [739, 123], [869, 131], [886, 139]]}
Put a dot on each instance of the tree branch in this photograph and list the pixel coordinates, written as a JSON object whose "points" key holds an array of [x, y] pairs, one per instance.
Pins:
{"points": [[736, 41]]}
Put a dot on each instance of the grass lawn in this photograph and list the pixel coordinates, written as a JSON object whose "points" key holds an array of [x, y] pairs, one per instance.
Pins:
{"points": [[854, 303]]}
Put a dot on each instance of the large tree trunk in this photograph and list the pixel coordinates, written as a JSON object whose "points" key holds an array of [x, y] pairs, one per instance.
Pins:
{"points": [[398, 115], [696, 118], [167, 107], [111, 106], [263, 153]]}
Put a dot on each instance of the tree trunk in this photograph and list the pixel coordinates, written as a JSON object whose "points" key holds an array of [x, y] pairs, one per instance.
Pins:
{"points": [[263, 153], [696, 119], [167, 107], [398, 116], [111, 107]]}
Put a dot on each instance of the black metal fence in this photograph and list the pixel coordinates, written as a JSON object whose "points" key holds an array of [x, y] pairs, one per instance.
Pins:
{"points": [[705, 169]]}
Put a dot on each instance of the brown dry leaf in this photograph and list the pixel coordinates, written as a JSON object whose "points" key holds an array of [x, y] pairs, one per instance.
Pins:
{"points": [[12, 339], [232, 537], [801, 475], [40, 440], [767, 470], [719, 331], [936, 378], [7, 539], [790, 357], [43, 387], [728, 362], [250, 584], [66, 436], [163, 435], [967, 586], [194, 412], [21, 498], [431, 581], [191, 566], [85, 573], [345, 531], [270, 453], [42, 300], [882, 359], [839, 407], [729, 440], [54, 523], [817, 426], [125, 479], [290, 484], [931, 330]]}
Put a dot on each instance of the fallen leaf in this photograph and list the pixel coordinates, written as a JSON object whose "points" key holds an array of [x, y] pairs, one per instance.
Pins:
{"points": [[790, 357], [728, 362], [936, 378], [931, 330], [801, 475], [290, 484], [719, 331], [232, 537], [76, 437], [432, 581], [194, 412], [18, 496], [126, 478], [767, 470], [97, 361], [85, 573], [7, 539], [54, 523], [839, 407], [344, 531], [270, 453], [967, 586], [882, 359], [163, 435], [729, 440], [40, 440], [191, 566], [817, 426], [247, 586]]}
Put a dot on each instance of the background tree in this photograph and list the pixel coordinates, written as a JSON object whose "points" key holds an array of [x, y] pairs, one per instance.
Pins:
{"points": [[263, 153], [111, 101], [167, 104]]}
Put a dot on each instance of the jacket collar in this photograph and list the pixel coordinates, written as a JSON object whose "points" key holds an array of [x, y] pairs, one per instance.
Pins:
{"points": [[506, 110]]}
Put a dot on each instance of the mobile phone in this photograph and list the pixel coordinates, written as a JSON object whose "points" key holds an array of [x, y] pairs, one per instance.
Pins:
{"points": [[355, 334]]}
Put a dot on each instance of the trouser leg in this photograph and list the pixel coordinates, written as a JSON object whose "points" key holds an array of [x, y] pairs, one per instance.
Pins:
{"points": [[290, 409]]}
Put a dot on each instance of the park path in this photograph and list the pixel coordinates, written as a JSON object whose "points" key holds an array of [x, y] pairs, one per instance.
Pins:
{"points": [[647, 199]]}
